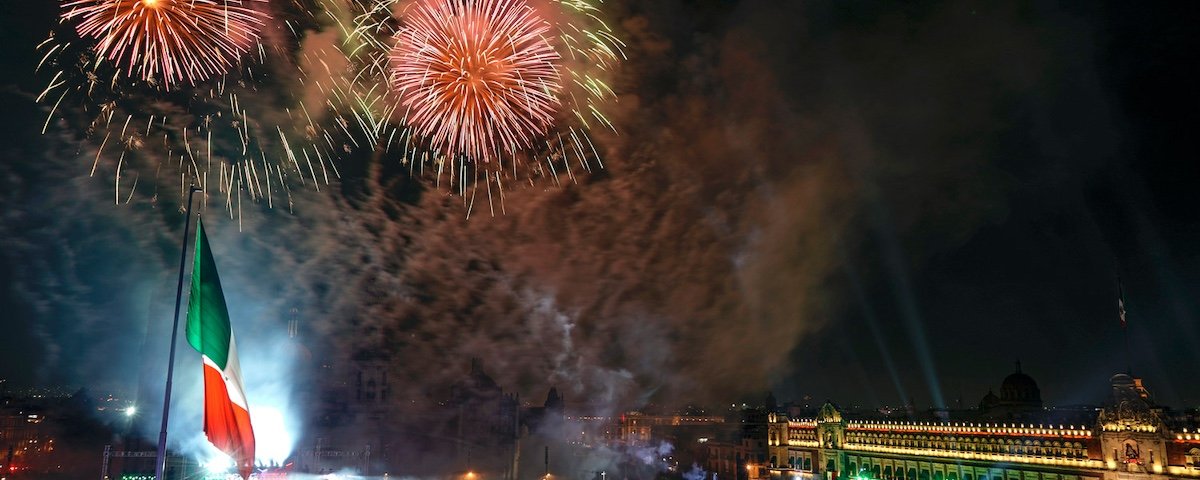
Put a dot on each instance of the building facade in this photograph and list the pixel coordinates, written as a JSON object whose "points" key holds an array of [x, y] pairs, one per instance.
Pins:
{"points": [[1010, 437]]}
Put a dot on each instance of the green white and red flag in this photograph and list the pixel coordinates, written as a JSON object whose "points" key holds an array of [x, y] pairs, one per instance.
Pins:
{"points": [[226, 413], [1121, 303]]}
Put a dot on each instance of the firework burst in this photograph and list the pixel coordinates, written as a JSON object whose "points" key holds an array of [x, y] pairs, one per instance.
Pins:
{"points": [[476, 77], [466, 82], [156, 87], [154, 91], [168, 41]]}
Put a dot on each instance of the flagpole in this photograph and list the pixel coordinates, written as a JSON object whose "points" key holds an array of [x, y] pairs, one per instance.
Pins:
{"points": [[160, 458], [1128, 354], [1124, 325]]}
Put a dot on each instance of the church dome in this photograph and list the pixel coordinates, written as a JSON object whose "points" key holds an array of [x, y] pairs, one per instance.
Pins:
{"points": [[989, 401], [1019, 388]]}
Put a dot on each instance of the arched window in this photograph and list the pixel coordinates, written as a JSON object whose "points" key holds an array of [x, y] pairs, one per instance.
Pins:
{"points": [[1193, 459]]}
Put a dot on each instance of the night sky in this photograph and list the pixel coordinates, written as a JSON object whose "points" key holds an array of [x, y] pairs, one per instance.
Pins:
{"points": [[868, 202]]}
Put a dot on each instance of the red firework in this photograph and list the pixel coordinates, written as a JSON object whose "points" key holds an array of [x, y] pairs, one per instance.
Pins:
{"points": [[476, 77], [168, 41]]}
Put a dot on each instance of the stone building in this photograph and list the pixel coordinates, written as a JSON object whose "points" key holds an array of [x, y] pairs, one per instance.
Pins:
{"points": [[1010, 437]]}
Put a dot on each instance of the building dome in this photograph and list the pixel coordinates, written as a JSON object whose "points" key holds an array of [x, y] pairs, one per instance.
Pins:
{"points": [[1121, 380], [1126, 387], [1020, 389], [989, 401]]}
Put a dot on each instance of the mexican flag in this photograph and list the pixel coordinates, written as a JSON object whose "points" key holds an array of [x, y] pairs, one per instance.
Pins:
{"points": [[226, 413]]}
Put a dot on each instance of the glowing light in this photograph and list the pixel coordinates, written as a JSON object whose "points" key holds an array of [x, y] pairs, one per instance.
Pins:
{"points": [[130, 411], [273, 441], [168, 41], [218, 465]]}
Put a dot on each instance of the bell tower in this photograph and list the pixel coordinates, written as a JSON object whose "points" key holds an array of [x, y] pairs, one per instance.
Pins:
{"points": [[1132, 431]]}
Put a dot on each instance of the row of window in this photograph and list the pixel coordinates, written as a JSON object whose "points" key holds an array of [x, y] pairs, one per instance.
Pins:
{"points": [[1054, 449], [900, 473], [794, 463]]}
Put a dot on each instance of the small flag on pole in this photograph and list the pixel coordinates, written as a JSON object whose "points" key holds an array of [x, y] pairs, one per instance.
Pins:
{"points": [[226, 413], [1121, 303]]}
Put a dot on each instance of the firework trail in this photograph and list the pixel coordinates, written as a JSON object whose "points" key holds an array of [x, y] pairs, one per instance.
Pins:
{"points": [[168, 41]]}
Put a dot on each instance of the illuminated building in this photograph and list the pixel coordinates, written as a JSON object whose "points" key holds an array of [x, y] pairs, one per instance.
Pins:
{"points": [[636, 428], [31, 428], [24, 439], [1010, 437]]}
